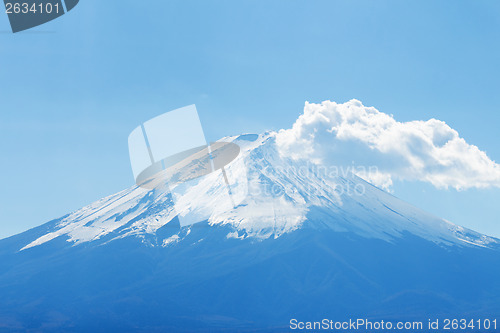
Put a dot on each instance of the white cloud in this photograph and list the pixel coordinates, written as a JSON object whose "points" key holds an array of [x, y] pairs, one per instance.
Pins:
{"points": [[429, 151]]}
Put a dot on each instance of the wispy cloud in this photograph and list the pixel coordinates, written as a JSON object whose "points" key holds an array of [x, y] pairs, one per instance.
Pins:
{"points": [[428, 151]]}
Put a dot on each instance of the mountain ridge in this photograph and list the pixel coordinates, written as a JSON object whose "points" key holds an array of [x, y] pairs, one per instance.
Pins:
{"points": [[261, 213], [309, 250]]}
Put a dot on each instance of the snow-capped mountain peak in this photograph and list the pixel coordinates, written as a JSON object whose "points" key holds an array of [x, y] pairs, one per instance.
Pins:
{"points": [[271, 196]]}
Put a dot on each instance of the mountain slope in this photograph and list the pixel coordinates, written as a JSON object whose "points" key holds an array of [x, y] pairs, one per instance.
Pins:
{"points": [[301, 243], [276, 195]]}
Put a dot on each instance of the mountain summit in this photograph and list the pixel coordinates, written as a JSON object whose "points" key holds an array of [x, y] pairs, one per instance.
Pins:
{"points": [[300, 240], [276, 195]]}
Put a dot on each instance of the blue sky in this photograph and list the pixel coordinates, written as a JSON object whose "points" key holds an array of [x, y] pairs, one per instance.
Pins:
{"points": [[73, 89]]}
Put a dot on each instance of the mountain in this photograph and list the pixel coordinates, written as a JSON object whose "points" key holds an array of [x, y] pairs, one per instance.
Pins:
{"points": [[297, 240]]}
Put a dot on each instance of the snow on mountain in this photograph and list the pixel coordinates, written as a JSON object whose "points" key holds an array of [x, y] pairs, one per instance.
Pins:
{"points": [[301, 241], [275, 195]]}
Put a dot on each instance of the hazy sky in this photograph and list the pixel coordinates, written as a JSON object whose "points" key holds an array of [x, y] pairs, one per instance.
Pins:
{"points": [[73, 89]]}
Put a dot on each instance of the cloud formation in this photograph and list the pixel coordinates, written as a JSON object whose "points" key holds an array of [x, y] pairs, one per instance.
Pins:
{"points": [[428, 151]]}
